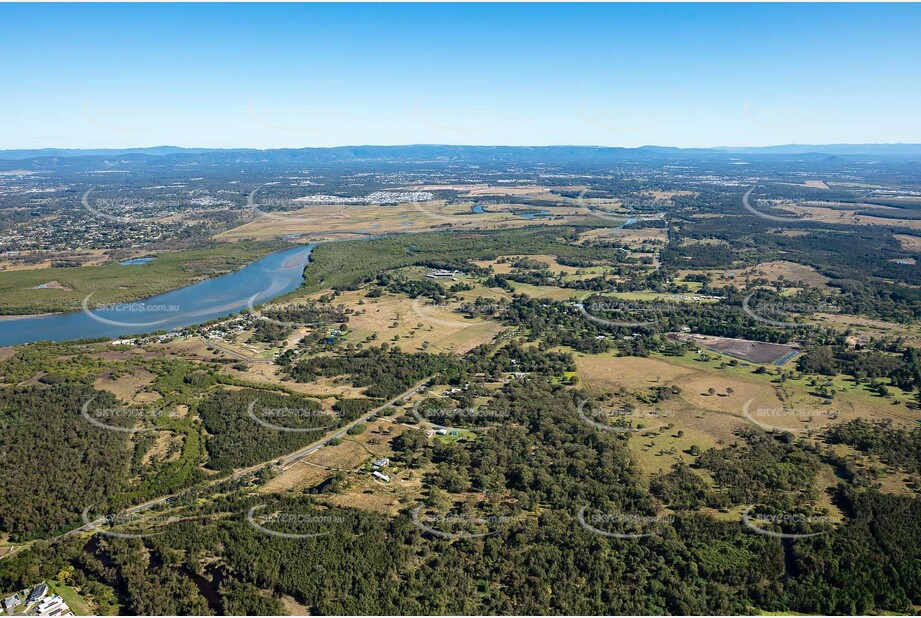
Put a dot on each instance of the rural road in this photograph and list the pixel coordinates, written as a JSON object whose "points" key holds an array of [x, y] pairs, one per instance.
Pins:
{"points": [[286, 462], [293, 458]]}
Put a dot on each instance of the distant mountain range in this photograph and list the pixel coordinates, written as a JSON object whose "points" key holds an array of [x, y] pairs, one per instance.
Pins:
{"points": [[435, 152], [832, 149]]}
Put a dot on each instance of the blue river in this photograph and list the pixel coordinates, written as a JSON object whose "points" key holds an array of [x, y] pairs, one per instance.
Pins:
{"points": [[263, 280]]}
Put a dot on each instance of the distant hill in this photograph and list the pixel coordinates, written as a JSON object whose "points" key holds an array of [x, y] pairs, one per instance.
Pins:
{"points": [[52, 157], [13, 155], [832, 149]]}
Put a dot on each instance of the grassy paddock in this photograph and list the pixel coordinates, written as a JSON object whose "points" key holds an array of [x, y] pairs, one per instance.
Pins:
{"points": [[72, 598]]}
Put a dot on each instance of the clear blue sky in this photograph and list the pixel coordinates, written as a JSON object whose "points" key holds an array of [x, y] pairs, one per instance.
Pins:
{"points": [[264, 76]]}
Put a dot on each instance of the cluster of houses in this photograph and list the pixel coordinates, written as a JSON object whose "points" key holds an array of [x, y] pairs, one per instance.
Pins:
{"points": [[161, 338], [236, 324], [377, 197], [38, 602]]}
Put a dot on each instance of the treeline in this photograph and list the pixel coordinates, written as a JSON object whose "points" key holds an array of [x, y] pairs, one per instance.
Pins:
{"points": [[235, 439], [896, 446], [870, 564], [345, 265], [56, 463], [763, 468], [538, 470], [901, 369], [383, 371], [412, 287], [749, 239]]}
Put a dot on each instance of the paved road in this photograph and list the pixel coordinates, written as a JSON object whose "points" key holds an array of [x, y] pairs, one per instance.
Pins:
{"points": [[293, 458], [747, 206], [286, 462]]}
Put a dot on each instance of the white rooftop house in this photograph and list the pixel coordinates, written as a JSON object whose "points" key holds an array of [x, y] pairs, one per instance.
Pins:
{"points": [[10, 602], [441, 273], [381, 475], [50, 606]]}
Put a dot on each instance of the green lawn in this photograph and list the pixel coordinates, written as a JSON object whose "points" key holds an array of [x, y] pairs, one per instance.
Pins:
{"points": [[462, 434], [73, 599]]}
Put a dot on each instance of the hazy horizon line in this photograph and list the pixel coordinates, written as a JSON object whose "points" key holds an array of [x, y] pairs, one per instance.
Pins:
{"points": [[459, 145]]}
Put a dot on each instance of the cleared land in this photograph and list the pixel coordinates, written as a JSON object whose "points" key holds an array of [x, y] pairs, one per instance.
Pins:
{"points": [[752, 351], [772, 271], [909, 243], [335, 222], [415, 324], [351, 459], [719, 413], [626, 235], [826, 214], [129, 387], [552, 262]]}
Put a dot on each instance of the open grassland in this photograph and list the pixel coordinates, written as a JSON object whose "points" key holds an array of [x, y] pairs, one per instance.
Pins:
{"points": [[659, 449], [299, 477], [661, 296], [547, 291], [888, 479], [851, 400], [389, 498], [789, 271], [909, 243], [867, 327], [415, 324], [345, 457], [551, 261], [292, 607], [660, 194], [330, 221], [485, 190], [258, 374], [790, 404], [20, 293], [167, 447], [26, 259], [626, 235], [703, 419], [772, 271], [820, 212], [335, 222], [130, 387], [74, 599]]}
